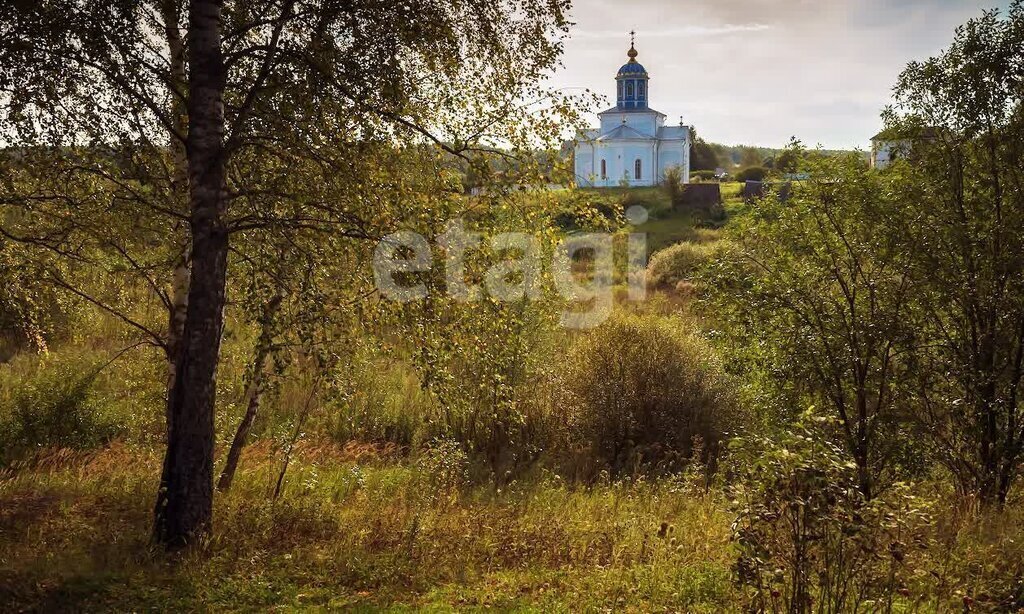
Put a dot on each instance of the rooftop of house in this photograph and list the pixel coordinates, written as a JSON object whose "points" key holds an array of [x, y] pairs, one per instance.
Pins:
{"points": [[897, 134]]}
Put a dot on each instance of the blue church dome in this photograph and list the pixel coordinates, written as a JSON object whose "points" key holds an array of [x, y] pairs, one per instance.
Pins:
{"points": [[632, 67], [631, 83]]}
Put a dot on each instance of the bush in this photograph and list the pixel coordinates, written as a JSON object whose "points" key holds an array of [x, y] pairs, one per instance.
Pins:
{"points": [[673, 183], [753, 173], [442, 472], [52, 406], [676, 264], [381, 400], [31, 313], [808, 541], [643, 394], [703, 176]]}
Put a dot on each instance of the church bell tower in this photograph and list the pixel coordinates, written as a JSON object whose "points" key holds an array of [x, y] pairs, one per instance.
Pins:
{"points": [[632, 80]]}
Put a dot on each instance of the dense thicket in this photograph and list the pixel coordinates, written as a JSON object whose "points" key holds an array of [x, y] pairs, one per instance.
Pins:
{"points": [[896, 299]]}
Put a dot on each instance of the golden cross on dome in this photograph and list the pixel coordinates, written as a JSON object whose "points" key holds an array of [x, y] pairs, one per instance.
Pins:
{"points": [[632, 38]]}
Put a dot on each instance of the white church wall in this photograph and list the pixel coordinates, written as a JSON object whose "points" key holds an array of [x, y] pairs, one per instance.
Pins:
{"points": [[686, 159], [620, 163], [644, 123], [584, 164], [674, 153], [668, 158]]}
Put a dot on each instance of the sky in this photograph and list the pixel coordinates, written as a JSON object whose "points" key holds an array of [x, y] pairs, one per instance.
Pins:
{"points": [[757, 72]]}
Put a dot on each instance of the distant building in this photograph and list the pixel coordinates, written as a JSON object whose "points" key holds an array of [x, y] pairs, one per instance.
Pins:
{"points": [[885, 150], [888, 146], [633, 146]]}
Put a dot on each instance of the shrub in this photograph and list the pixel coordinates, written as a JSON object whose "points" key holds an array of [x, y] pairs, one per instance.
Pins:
{"points": [[31, 313], [52, 406], [808, 541], [673, 183], [753, 173], [644, 394], [703, 176], [442, 472], [676, 264], [381, 400]]}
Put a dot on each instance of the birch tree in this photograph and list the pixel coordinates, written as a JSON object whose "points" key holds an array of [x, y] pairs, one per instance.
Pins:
{"points": [[150, 134]]}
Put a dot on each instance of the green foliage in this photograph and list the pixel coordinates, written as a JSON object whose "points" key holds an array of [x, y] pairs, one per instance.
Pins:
{"points": [[963, 114], [52, 406], [644, 393], [703, 157], [706, 156], [479, 366], [657, 202], [101, 184], [808, 541], [478, 356], [610, 203], [672, 183], [381, 400], [750, 157], [29, 313], [443, 468], [678, 263], [732, 192], [789, 160], [818, 292], [752, 173], [676, 227]]}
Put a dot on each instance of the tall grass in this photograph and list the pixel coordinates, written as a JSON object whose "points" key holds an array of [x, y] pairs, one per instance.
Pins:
{"points": [[383, 400], [75, 534]]}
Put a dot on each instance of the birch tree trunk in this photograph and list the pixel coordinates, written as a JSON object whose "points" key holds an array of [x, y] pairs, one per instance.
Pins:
{"points": [[185, 500], [179, 190], [256, 388]]}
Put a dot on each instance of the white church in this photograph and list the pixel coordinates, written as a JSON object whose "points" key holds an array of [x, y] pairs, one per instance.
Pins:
{"points": [[633, 145]]}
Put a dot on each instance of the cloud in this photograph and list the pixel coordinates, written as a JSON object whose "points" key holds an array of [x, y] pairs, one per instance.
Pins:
{"points": [[715, 30], [706, 11], [760, 71]]}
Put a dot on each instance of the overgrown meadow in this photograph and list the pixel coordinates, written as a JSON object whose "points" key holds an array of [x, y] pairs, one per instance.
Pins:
{"points": [[808, 400], [631, 473]]}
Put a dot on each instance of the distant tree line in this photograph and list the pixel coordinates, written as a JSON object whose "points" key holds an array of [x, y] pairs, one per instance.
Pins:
{"points": [[705, 156]]}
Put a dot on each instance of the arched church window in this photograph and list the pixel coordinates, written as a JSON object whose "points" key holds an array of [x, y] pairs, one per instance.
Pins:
{"points": [[629, 89], [640, 89], [604, 169], [637, 169]]}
